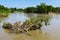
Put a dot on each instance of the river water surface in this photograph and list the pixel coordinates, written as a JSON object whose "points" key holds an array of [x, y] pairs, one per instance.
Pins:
{"points": [[51, 32]]}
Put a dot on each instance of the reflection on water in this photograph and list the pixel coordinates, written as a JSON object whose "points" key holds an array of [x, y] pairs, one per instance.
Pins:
{"points": [[51, 32]]}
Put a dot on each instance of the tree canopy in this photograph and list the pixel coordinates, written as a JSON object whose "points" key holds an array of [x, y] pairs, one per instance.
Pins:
{"points": [[42, 8]]}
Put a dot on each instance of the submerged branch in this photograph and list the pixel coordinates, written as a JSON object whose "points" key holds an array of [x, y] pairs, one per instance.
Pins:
{"points": [[31, 24]]}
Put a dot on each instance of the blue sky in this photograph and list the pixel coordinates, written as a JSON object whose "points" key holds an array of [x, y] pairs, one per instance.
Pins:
{"points": [[27, 3]]}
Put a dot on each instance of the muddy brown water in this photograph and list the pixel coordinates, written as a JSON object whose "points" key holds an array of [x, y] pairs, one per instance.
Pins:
{"points": [[51, 32]]}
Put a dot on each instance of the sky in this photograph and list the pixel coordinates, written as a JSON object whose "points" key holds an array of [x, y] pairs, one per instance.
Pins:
{"points": [[28, 3]]}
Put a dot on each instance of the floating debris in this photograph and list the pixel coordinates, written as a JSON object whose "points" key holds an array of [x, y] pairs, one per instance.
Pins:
{"points": [[31, 24]]}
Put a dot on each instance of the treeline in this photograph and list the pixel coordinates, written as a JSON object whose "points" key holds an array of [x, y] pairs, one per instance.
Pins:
{"points": [[42, 8], [4, 11], [7, 10], [16, 9]]}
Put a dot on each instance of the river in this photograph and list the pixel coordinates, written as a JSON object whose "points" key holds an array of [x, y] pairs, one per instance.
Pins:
{"points": [[51, 32]]}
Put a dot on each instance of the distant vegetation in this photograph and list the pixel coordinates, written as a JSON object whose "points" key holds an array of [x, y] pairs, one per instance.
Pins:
{"points": [[42, 8], [4, 11]]}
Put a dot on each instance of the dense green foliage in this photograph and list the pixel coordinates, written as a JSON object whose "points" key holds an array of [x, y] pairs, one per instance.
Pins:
{"points": [[4, 11], [30, 10], [42, 8], [16, 10]]}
